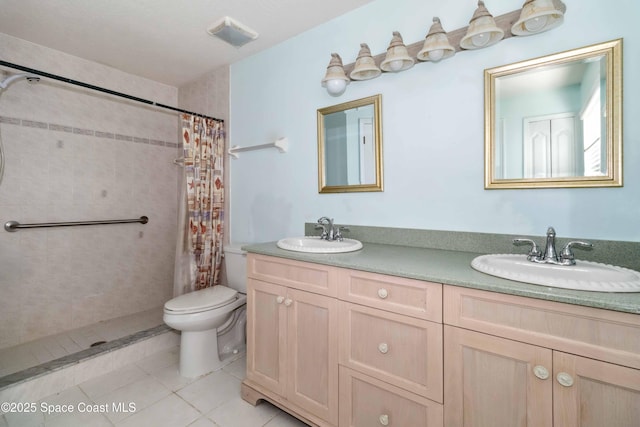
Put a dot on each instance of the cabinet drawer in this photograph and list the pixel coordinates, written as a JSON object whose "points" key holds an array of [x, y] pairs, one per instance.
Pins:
{"points": [[400, 350], [596, 333], [366, 402], [317, 278], [400, 295]]}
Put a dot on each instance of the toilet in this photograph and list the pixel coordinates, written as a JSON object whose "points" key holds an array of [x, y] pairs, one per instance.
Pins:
{"points": [[212, 321]]}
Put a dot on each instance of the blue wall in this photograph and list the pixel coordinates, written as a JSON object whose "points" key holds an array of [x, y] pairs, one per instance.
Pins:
{"points": [[432, 129]]}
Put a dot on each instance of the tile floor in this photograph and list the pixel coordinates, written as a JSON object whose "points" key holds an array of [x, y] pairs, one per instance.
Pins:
{"points": [[160, 397], [36, 352]]}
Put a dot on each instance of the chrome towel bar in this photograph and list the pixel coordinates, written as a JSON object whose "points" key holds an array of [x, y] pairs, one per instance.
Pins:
{"points": [[15, 225]]}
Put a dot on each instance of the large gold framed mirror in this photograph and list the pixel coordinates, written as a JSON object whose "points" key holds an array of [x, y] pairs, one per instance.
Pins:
{"points": [[555, 121], [350, 146]]}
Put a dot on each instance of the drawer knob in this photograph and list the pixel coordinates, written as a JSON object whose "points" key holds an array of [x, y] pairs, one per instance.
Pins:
{"points": [[384, 419], [288, 302], [383, 347], [280, 300], [540, 372], [565, 379], [383, 293]]}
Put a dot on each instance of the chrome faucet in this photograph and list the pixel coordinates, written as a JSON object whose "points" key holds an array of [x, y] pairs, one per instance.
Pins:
{"points": [[329, 230], [550, 256]]}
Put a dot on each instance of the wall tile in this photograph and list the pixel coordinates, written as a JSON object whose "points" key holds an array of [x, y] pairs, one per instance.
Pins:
{"points": [[72, 154]]}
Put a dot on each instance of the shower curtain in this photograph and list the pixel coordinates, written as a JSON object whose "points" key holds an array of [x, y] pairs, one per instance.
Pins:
{"points": [[201, 215]]}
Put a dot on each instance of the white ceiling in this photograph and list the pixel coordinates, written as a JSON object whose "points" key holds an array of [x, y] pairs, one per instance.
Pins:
{"points": [[163, 40]]}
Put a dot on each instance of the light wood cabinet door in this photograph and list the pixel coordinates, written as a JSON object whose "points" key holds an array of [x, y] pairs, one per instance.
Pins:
{"points": [[495, 382], [313, 353], [267, 335], [408, 297], [292, 346], [306, 276], [369, 402], [591, 393], [401, 350]]}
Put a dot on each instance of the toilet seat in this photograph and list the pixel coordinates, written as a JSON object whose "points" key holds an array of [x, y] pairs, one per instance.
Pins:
{"points": [[202, 300]]}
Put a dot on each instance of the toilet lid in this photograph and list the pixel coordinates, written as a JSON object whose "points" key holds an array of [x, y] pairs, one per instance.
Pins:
{"points": [[204, 299]]}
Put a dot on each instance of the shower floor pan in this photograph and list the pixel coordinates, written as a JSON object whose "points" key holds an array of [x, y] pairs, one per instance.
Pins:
{"points": [[53, 352]]}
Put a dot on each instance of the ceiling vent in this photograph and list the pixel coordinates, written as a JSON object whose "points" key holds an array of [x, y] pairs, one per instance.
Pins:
{"points": [[232, 32]]}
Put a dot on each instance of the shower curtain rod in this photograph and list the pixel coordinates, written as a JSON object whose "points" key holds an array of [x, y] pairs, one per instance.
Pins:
{"points": [[101, 89]]}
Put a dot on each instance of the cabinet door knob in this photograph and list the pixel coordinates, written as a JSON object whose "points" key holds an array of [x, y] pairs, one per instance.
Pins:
{"points": [[288, 302], [383, 347], [383, 293], [384, 419], [540, 372], [565, 379], [280, 300]]}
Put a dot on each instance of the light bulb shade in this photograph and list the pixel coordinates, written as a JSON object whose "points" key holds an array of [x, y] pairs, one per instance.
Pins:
{"points": [[538, 16], [335, 80], [365, 68], [397, 58], [482, 31], [436, 46]]}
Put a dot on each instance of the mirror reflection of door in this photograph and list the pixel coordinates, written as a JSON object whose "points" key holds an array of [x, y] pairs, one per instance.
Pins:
{"points": [[551, 147], [361, 162], [550, 121], [350, 147], [367, 151]]}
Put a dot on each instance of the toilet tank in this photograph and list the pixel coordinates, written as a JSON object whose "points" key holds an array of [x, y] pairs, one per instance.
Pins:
{"points": [[235, 263]]}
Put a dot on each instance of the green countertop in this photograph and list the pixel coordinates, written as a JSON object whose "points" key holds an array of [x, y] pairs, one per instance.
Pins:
{"points": [[452, 268]]}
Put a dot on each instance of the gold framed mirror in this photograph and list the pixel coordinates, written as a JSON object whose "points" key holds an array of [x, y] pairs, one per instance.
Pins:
{"points": [[350, 146], [555, 121]]}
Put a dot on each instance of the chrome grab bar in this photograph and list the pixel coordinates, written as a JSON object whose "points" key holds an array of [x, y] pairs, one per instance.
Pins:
{"points": [[15, 225]]}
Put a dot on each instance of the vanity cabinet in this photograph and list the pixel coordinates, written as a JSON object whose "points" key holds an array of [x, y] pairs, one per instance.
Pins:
{"points": [[342, 347], [513, 361], [381, 366], [292, 345]]}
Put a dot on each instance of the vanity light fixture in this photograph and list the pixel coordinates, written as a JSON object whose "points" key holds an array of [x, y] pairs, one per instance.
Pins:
{"points": [[397, 58], [365, 68], [436, 46], [538, 16], [482, 31], [335, 80]]}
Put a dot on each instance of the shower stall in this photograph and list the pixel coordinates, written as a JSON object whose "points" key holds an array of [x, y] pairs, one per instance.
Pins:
{"points": [[71, 154]]}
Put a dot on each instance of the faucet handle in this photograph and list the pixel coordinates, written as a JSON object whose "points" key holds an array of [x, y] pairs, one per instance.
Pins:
{"points": [[567, 257], [324, 233], [339, 231], [534, 253]]}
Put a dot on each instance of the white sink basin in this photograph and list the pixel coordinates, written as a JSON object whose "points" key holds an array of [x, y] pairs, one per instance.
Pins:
{"points": [[313, 244], [585, 275]]}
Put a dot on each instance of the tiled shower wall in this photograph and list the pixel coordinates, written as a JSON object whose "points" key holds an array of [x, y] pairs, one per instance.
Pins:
{"points": [[75, 154]]}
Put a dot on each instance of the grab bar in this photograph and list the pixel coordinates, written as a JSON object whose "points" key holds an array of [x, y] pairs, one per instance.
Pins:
{"points": [[15, 225]]}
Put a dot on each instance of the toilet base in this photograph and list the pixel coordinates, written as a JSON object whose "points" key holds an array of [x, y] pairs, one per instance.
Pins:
{"points": [[199, 353]]}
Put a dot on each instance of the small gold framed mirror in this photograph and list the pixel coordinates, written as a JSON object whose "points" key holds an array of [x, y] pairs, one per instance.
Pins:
{"points": [[555, 121], [350, 146]]}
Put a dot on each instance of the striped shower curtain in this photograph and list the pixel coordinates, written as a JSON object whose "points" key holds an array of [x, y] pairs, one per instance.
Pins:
{"points": [[203, 145]]}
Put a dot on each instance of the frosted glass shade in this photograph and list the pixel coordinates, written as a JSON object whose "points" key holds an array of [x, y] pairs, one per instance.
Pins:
{"points": [[482, 31], [538, 16]]}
